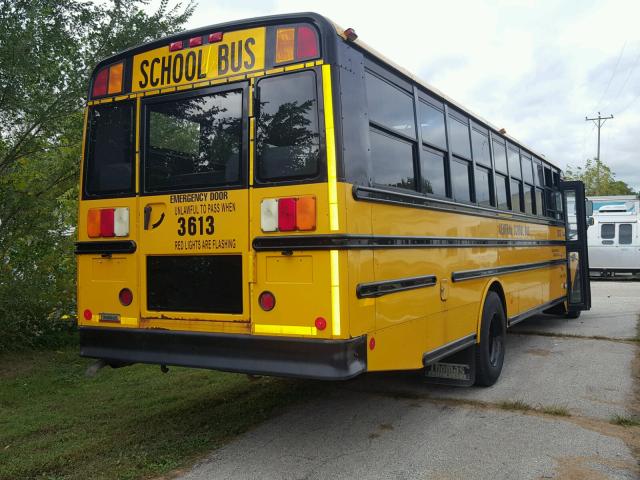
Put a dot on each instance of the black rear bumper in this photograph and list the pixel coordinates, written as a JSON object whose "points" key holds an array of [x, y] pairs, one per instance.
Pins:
{"points": [[259, 355]]}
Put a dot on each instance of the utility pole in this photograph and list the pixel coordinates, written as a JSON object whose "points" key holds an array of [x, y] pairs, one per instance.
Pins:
{"points": [[599, 121]]}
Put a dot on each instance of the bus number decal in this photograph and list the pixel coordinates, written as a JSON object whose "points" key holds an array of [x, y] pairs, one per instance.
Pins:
{"points": [[195, 225]]}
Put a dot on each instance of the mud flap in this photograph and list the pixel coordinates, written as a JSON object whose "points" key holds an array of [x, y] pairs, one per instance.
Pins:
{"points": [[458, 369]]}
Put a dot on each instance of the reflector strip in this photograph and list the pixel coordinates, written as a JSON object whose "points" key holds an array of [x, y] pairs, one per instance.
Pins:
{"points": [[285, 329], [331, 148], [335, 292]]}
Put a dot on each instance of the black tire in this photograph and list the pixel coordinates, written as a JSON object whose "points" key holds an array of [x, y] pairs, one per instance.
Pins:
{"points": [[493, 333], [573, 313]]}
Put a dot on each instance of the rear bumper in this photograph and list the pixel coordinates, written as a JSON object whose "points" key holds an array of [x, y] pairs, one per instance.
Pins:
{"points": [[287, 357]]}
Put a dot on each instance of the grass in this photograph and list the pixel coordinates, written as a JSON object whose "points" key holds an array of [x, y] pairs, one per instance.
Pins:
{"points": [[626, 421], [554, 410], [522, 406], [515, 405], [124, 423]]}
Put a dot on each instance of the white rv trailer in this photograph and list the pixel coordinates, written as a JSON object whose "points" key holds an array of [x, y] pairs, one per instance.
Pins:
{"points": [[614, 238]]}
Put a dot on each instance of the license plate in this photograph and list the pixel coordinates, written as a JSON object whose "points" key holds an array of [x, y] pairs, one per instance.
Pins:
{"points": [[449, 371], [238, 52]]}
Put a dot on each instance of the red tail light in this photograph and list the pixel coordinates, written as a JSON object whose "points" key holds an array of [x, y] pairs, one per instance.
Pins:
{"points": [[287, 214], [100, 83], [307, 43], [87, 314], [267, 301], [106, 223]]}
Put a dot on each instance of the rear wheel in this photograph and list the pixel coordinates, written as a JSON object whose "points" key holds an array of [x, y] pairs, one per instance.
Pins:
{"points": [[490, 350]]}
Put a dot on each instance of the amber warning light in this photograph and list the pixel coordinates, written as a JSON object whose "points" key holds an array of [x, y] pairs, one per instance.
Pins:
{"points": [[108, 81]]}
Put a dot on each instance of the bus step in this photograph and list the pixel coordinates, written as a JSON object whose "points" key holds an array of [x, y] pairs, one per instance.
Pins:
{"points": [[457, 370]]}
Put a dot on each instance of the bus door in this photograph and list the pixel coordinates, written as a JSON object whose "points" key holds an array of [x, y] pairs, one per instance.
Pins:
{"points": [[194, 208], [579, 289]]}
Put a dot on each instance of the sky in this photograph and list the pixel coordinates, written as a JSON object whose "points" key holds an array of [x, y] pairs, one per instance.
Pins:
{"points": [[536, 68]]}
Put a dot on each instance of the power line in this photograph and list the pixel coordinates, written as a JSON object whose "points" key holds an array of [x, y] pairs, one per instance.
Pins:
{"points": [[613, 74]]}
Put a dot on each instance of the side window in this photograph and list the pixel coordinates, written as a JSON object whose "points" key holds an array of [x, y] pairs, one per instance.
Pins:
{"points": [[483, 186], [391, 160], [625, 234], [432, 168], [392, 134], [502, 184], [480, 146], [539, 174], [528, 199], [432, 125], [516, 194], [539, 202], [548, 177], [527, 172], [607, 230], [287, 142], [460, 180], [499, 156], [110, 150], [459, 136], [389, 106], [514, 163]]}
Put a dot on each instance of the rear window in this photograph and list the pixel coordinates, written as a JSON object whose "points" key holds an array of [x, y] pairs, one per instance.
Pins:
{"points": [[287, 141], [193, 142], [110, 150]]}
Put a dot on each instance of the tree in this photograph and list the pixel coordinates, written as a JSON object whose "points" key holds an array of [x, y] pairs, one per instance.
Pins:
{"points": [[47, 51], [598, 179]]}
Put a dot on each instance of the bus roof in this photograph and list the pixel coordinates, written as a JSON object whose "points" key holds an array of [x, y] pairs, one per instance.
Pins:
{"points": [[373, 52]]}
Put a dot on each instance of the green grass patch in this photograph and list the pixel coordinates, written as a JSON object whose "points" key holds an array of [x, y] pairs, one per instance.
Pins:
{"points": [[624, 421], [515, 405], [126, 423], [554, 410]]}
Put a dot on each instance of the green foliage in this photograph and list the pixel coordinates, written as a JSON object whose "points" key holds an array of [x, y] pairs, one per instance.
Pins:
{"points": [[47, 51], [598, 179], [133, 422]]}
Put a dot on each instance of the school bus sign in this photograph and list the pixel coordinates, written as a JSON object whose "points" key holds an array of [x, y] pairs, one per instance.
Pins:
{"points": [[238, 52]]}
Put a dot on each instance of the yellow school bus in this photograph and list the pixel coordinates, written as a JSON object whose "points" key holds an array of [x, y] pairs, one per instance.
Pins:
{"points": [[271, 196]]}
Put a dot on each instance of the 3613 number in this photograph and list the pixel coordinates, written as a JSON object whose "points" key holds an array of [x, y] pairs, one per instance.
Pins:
{"points": [[195, 225]]}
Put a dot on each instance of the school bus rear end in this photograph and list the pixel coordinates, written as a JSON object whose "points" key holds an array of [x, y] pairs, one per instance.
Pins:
{"points": [[166, 267]]}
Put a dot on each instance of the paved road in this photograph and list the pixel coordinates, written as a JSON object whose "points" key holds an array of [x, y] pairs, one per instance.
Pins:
{"points": [[394, 427]]}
